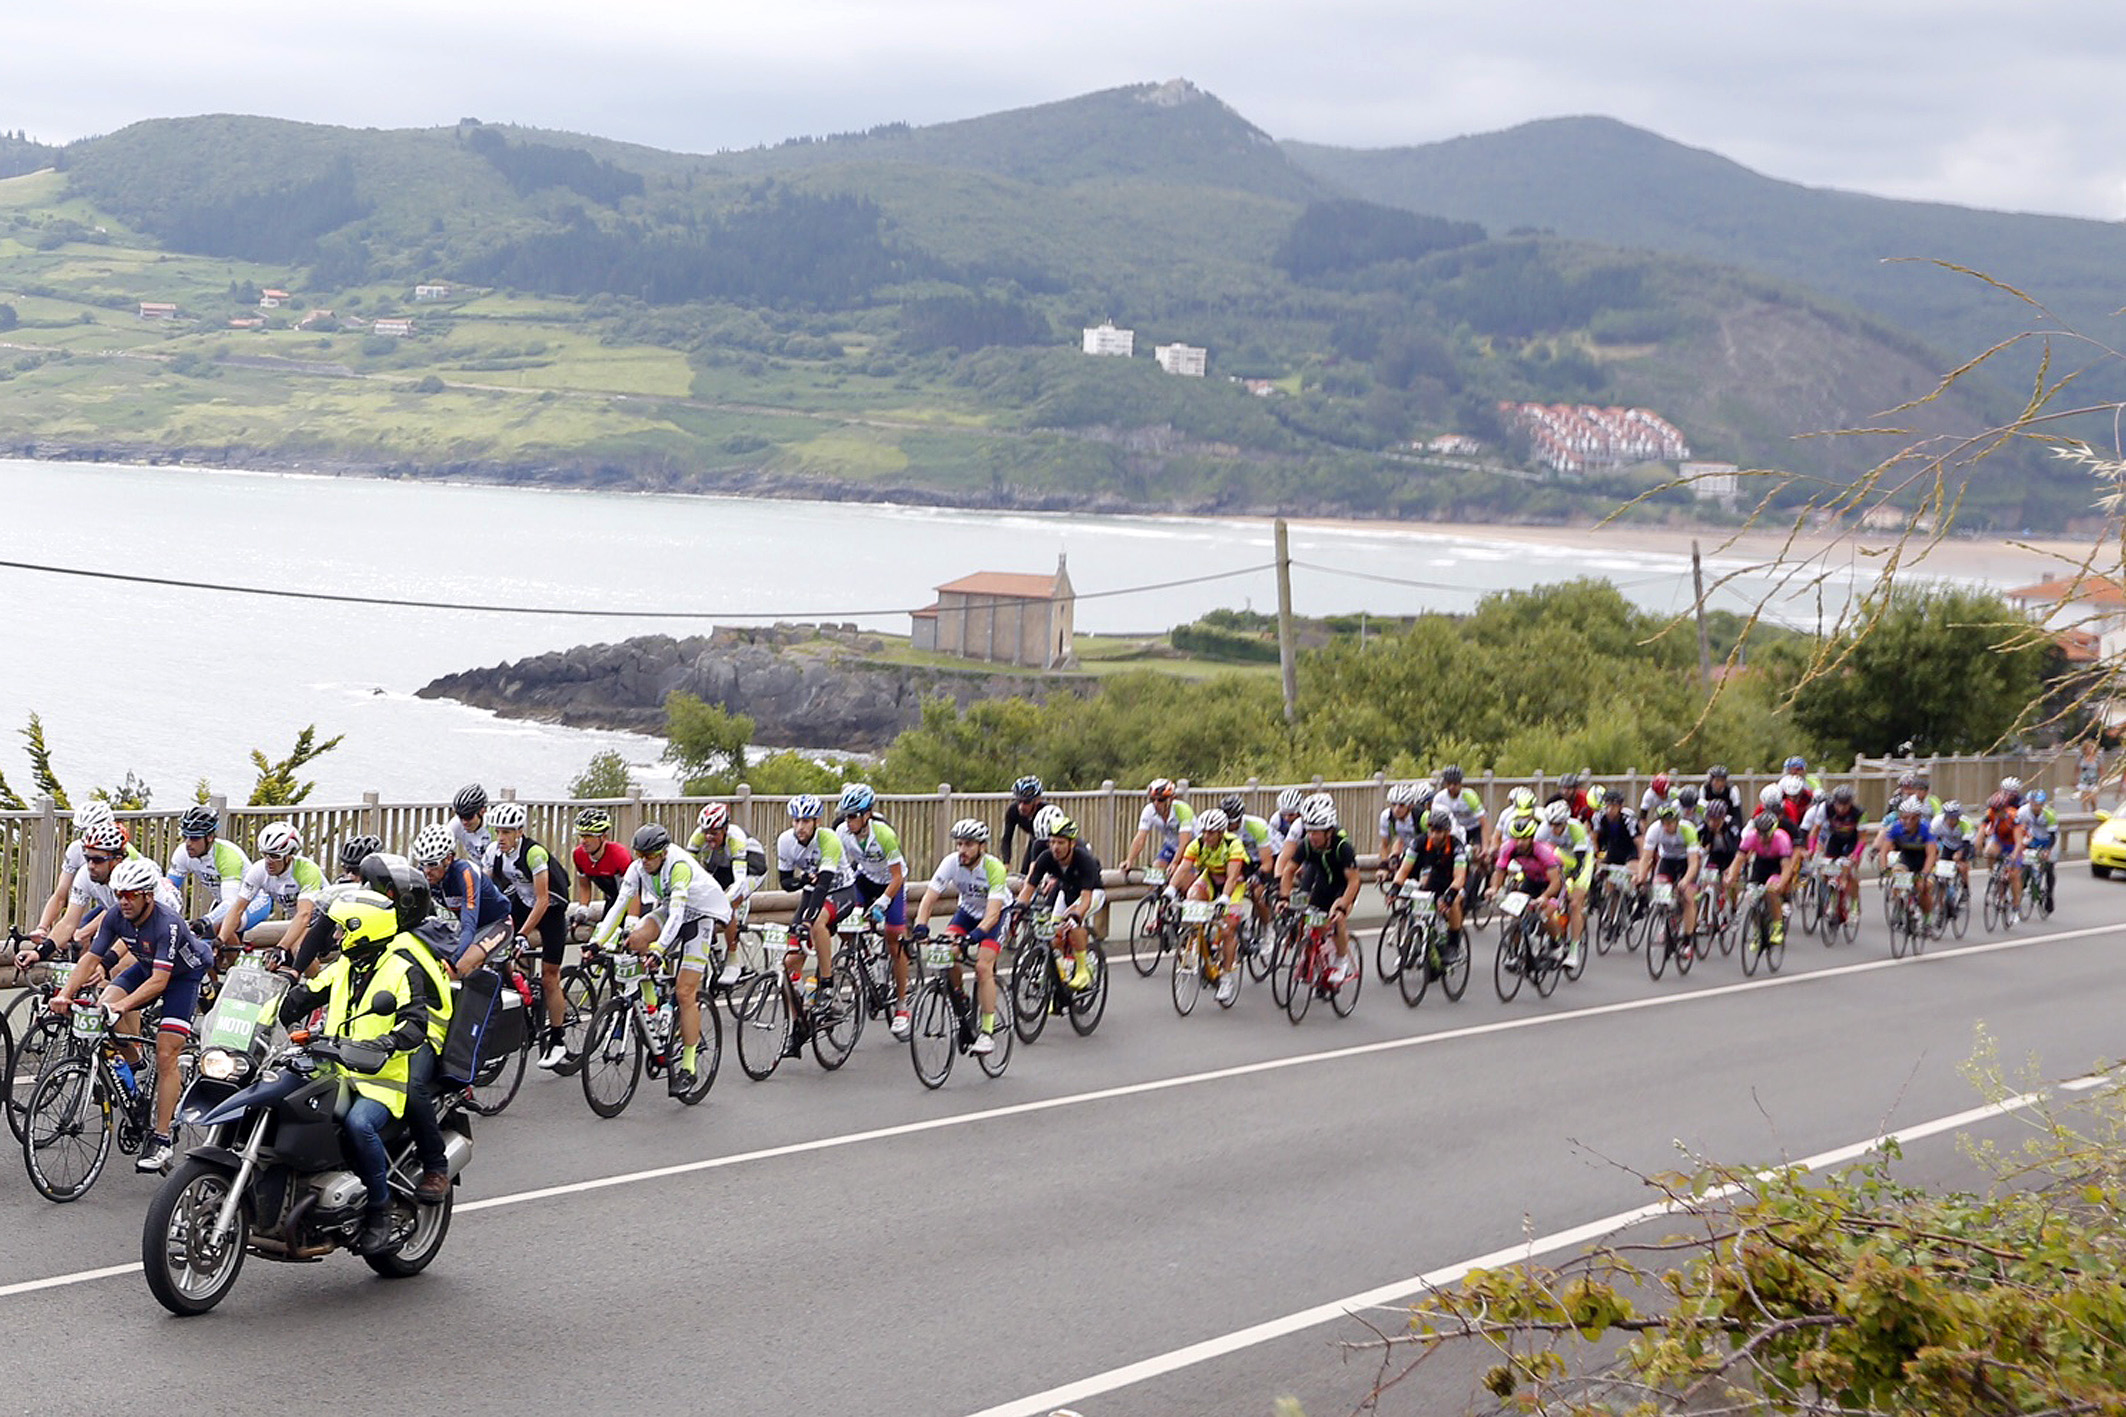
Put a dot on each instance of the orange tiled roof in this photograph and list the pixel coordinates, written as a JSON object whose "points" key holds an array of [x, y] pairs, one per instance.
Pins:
{"points": [[1011, 585], [2101, 590]]}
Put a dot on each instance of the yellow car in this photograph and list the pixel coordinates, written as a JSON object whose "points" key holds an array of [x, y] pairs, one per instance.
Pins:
{"points": [[2107, 845]]}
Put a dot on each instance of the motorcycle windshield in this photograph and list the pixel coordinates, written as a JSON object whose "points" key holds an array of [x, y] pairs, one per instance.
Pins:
{"points": [[246, 1012]]}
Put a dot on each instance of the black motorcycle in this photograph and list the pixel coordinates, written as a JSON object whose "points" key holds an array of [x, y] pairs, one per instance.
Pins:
{"points": [[270, 1175]]}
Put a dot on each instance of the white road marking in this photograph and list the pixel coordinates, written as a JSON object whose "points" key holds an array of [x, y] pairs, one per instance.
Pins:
{"points": [[1041, 1404], [1136, 1089]]}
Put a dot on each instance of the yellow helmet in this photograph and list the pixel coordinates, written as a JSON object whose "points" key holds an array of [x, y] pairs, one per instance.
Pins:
{"points": [[365, 918]]}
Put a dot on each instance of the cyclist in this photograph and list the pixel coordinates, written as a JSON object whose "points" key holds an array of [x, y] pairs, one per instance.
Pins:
{"points": [[1616, 834], [165, 960], [1798, 766], [1284, 823], [1326, 868], [2002, 827], [1656, 793], [1795, 799], [1720, 839], [873, 851], [1520, 805], [282, 877], [688, 906], [1214, 867], [217, 866], [1717, 785], [1569, 837], [811, 862], [1398, 828], [319, 939], [1072, 872], [1467, 809], [484, 918], [1572, 791], [1671, 853], [1955, 838], [1769, 849], [1687, 804], [94, 815], [1832, 828], [1439, 862], [102, 849], [980, 879], [1256, 840], [739, 865], [1537, 865], [1907, 832], [469, 831], [2041, 831], [1028, 797], [537, 888], [1173, 820], [600, 863]]}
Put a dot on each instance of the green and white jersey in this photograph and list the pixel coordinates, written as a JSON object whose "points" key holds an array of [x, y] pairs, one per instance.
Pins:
{"points": [[875, 853], [1168, 825], [984, 880], [302, 875], [682, 887], [218, 872], [1465, 807], [822, 856], [1672, 843], [521, 872], [1254, 834]]}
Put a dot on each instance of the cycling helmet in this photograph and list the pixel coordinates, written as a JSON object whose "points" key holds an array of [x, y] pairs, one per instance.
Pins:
{"points": [[399, 881], [1422, 793], [1161, 789], [1792, 785], [1911, 807], [1288, 800], [198, 821], [650, 839], [1523, 829], [91, 814], [368, 920], [1440, 821], [1049, 818], [103, 836], [716, 815], [1765, 822], [1717, 772], [1668, 811], [1842, 794], [594, 821], [1769, 797], [1558, 813], [1521, 797], [1687, 798], [1399, 795], [1062, 825], [1211, 822], [1318, 813], [1660, 784], [471, 800], [1922, 780], [1451, 775], [972, 829], [857, 797], [804, 805], [507, 816], [2039, 797], [136, 873], [279, 839], [357, 849], [1233, 805], [1715, 808], [1599, 797], [1569, 782], [1797, 763], [2011, 784], [1952, 809], [1907, 782], [1027, 789], [433, 846]]}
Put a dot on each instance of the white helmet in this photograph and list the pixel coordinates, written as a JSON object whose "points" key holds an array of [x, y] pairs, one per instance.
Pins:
{"points": [[136, 874], [506, 816], [433, 846], [1318, 813], [1769, 797], [2011, 784], [1288, 800], [1045, 820], [103, 836], [93, 814], [278, 839], [1558, 813], [1210, 821], [1160, 787], [1401, 795], [970, 829], [1422, 792], [1792, 785]]}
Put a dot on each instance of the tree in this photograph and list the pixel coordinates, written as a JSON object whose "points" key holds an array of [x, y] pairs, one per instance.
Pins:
{"points": [[130, 795], [704, 741], [1948, 670], [276, 785], [41, 775], [605, 775]]}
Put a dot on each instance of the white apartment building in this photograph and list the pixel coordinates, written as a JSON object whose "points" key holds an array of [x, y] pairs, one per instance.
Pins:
{"points": [[1104, 338], [1186, 359]]}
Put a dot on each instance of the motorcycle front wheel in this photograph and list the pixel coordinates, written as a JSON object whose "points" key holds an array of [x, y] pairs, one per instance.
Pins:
{"points": [[186, 1271]]}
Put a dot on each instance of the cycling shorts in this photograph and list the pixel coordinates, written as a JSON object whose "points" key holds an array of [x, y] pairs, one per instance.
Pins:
{"points": [[1321, 892], [1675, 869], [553, 928], [180, 997], [824, 901], [1839, 845], [694, 944], [1167, 852], [1996, 848], [968, 924], [1436, 880], [1766, 869], [1913, 857], [1959, 852], [868, 892]]}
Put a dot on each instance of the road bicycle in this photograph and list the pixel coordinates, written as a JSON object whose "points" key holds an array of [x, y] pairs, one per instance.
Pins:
{"points": [[88, 1095], [1952, 899], [1609, 913], [31, 1031], [1663, 932], [1197, 956], [1423, 953], [1041, 984], [1526, 949], [1155, 925], [1287, 926], [1309, 965], [2038, 883], [1841, 906], [2003, 906], [781, 1011], [942, 1021], [1716, 913], [1901, 913], [636, 1031], [1761, 942]]}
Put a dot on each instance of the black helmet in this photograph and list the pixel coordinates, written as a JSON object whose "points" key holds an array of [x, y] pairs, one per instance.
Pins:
{"points": [[399, 881], [651, 839], [1441, 820], [356, 849], [1717, 770], [470, 801], [198, 821], [1688, 797], [1234, 806], [1027, 789], [1450, 773]]}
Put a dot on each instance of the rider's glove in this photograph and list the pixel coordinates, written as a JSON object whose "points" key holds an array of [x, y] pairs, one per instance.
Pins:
{"points": [[877, 912], [918, 932]]}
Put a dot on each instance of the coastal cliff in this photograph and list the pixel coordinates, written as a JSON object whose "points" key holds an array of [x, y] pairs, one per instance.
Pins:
{"points": [[801, 685]]}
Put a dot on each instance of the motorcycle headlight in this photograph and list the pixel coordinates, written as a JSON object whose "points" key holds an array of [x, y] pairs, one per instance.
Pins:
{"points": [[221, 1065]]}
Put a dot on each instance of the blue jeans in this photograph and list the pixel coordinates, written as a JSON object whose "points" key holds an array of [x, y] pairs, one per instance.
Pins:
{"points": [[421, 1110], [366, 1121]]}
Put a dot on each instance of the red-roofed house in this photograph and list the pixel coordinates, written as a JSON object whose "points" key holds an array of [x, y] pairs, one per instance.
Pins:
{"points": [[2087, 615], [1004, 617]]}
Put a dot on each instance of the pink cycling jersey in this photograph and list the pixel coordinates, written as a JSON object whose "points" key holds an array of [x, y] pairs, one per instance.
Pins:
{"points": [[1776, 847], [1538, 863]]}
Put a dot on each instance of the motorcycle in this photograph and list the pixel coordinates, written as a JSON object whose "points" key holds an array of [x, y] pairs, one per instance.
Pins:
{"points": [[270, 1176]]}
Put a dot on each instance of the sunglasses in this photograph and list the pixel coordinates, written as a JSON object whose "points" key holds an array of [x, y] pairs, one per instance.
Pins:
{"points": [[134, 895], [98, 858]]}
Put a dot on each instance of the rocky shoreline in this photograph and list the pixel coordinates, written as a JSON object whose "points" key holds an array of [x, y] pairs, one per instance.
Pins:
{"points": [[799, 684]]}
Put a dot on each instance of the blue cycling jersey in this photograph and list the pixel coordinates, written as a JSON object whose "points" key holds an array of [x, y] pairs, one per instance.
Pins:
{"points": [[473, 894], [1902, 836]]}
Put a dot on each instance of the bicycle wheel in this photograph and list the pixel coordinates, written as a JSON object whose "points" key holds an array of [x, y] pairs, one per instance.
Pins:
{"points": [[1685, 946], [1419, 964], [496, 1086], [581, 992], [1808, 910], [1146, 941], [1087, 1005], [708, 1054], [1898, 914], [837, 1019], [996, 1060], [933, 1034], [763, 1025], [1188, 972], [1996, 906], [68, 1127], [1849, 927], [1258, 948], [1284, 943], [1298, 979], [1388, 950], [1658, 941], [1960, 917], [613, 1053], [1576, 950], [1483, 910], [1754, 934], [1033, 985], [39, 1035], [1506, 964], [1774, 951], [1344, 997], [1542, 963]]}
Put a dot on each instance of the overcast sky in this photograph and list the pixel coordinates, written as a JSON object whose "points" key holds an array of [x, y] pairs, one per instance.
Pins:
{"points": [[1971, 101]]}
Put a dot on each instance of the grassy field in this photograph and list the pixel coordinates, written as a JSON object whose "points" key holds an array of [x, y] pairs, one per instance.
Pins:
{"points": [[1098, 655]]}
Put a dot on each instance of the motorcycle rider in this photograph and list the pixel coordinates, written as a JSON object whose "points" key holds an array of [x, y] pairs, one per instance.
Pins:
{"points": [[379, 957]]}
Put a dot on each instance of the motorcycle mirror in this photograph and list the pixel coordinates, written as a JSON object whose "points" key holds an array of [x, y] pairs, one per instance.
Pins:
{"points": [[384, 1002]]}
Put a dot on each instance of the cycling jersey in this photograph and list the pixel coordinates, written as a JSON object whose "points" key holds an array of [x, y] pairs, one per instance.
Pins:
{"points": [[1018, 821], [1616, 838], [1399, 831], [87, 891], [739, 865], [517, 872], [1650, 803], [475, 897], [219, 873], [1465, 807], [1916, 837], [984, 880], [1211, 860], [1720, 845], [610, 864], [1731, 794], [1326, 871], [1168, 826], [1508, 817], [822, 857], [1953, 836], [160, 944], [302, 874], [1574, 844], [1254, 835], [1435, 860], [875, 853], [2003, 816], [475, 844], [1535, 858], [1073, 881], [1283, 829], [1672, 843], [2041, 824], [1776, 846], [681, 890]]}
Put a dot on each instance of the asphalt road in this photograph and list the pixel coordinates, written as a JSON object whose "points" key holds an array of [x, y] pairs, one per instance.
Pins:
{"points": [[849, 1243]]}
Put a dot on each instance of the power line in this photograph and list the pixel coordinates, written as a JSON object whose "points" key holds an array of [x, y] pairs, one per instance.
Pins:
{"points": [[581, 612]]}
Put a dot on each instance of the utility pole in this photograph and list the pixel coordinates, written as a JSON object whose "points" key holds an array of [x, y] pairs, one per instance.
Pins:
{"points": [[1705, 644], [1287, 652]]}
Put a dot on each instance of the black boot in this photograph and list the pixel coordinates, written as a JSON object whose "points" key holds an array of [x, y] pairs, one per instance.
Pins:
{"points": [[375, 1236]]}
